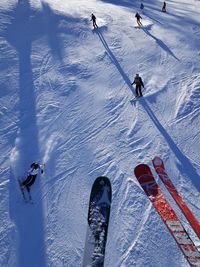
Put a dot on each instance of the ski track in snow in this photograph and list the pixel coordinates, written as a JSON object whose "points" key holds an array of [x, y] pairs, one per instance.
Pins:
{"points": [[140, 228]]}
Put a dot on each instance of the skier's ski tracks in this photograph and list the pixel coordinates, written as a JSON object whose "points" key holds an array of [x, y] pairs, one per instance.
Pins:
{"points": [[139, 231]]}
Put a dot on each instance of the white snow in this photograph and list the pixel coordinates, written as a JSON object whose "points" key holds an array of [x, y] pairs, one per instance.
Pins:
{"points": [[65, 100]]}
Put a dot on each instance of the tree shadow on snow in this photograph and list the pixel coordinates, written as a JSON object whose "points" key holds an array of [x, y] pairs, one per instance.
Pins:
{"points": [[125, 3], [51, 24], [184, 165], [114, 60], [25, 26], [29, 222]]}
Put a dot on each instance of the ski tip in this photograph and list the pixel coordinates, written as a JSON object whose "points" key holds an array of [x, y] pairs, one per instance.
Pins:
{"points": [[99, 183], [102, 180], [141, 166], [157, 161], [141, 169]]}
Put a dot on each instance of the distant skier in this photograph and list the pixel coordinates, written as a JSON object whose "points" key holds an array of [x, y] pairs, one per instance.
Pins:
{"points": [[93, 19], [138, 17], [164, 7], [138, 85], [32, 174], [141, 6]]}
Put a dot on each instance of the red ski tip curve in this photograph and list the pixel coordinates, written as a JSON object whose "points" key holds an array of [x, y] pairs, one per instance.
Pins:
{"points": [[160, 169], [151, 188]]}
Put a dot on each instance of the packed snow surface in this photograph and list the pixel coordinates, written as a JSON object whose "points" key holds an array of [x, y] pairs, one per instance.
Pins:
{"points": [[66, 100]]}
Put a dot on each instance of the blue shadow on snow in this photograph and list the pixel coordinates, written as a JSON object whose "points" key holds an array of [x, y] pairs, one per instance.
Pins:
{"points": [[29, 221], [125, 3], [27, 25], [160, 43], [114, 60], [184, 165]]}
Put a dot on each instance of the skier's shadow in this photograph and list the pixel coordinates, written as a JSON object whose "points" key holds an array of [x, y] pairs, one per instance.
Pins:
{"points": [[114, 60], [160, 43], [184, 165]]}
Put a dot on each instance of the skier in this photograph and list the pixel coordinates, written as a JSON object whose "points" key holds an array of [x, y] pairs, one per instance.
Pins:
{"points": [[32, 174], [138, 17], [139, 84], [93, 19], [164, 7], [141, 6]]}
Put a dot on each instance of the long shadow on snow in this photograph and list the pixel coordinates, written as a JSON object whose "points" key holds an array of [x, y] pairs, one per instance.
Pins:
{"points": [[29, 222], [159, 42], [114, 60], [26, 26], [126, 3], [53, 25], [184, 165], [52, 28]]}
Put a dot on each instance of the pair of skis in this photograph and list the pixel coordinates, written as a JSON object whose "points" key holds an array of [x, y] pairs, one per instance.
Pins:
{"points": [[99, 211], [151, 188]]}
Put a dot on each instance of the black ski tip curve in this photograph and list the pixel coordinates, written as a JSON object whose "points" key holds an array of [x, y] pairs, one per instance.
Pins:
{"points": [[100, 182]]}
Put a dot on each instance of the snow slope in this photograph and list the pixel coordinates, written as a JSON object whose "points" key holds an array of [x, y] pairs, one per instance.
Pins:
{"points": [[65, 101]]}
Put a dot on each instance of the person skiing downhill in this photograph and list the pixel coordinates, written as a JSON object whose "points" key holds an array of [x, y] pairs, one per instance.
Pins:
{"points": [[164, 7], [138, 17], [93, 19], [139, 84], [32, 174]]}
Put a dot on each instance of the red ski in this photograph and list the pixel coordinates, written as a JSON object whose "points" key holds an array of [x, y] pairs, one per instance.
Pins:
{"points": [[160, 169], [168, 215]]}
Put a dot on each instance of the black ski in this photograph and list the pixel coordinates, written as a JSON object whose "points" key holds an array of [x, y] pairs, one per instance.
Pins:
{"points": [[98, 220]]}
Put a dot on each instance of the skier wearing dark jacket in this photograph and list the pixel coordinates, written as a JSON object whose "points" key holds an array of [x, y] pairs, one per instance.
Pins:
{"points": [[93, 18], [32, 174], [164, 7], [138, 85], [138, 17], [141, 6]]}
